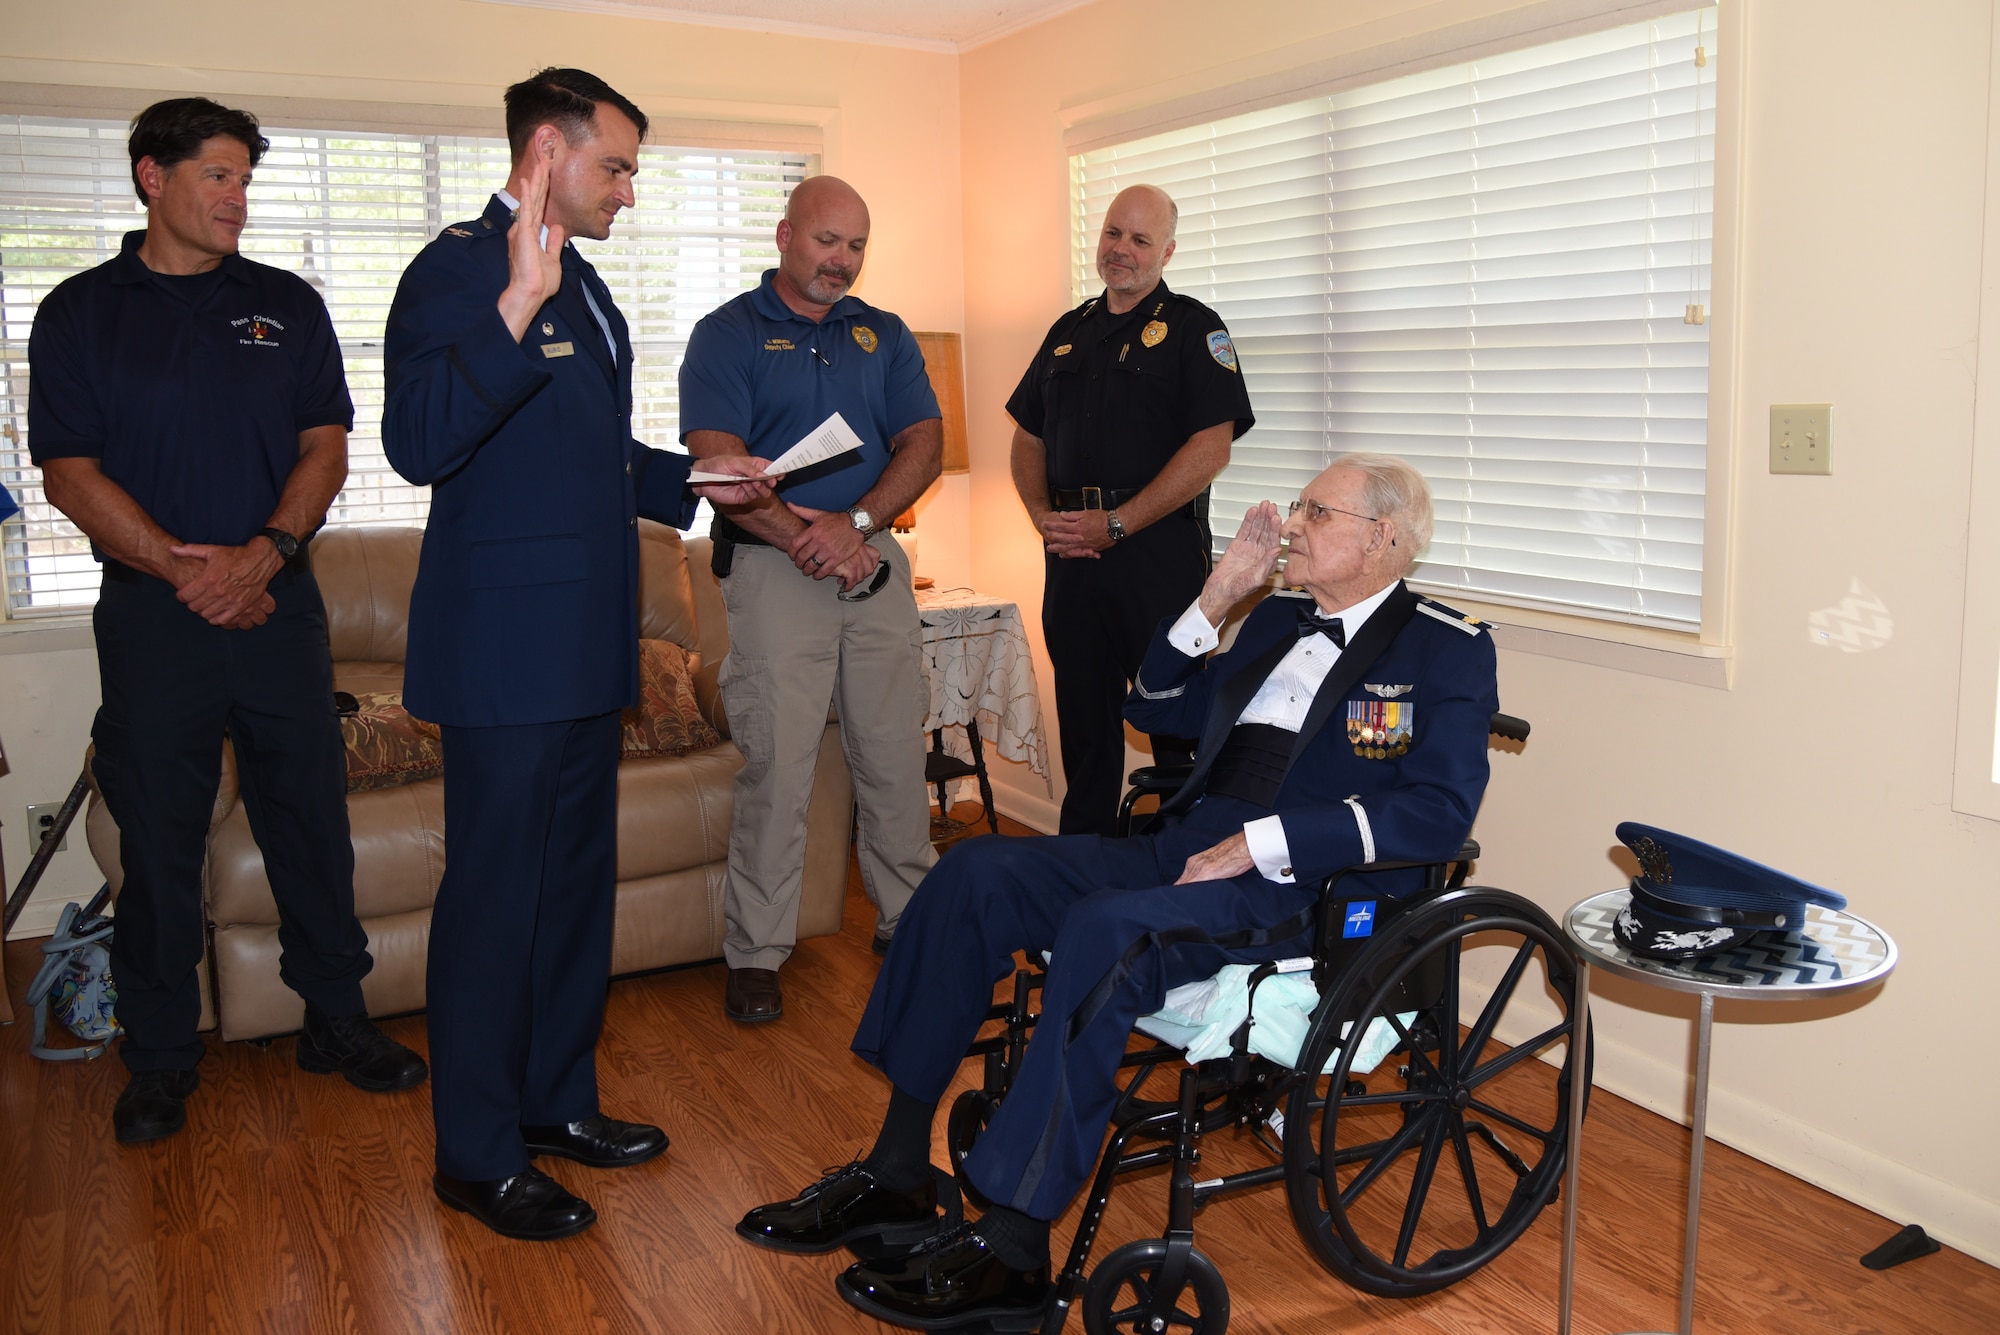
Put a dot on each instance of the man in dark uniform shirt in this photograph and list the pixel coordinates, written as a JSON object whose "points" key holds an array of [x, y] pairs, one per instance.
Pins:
{"points": [[190, 415], [1122, 421]]}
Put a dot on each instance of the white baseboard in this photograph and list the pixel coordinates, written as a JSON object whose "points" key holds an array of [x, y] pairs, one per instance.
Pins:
{"points": [[1041, 814], [1901, 1194]]}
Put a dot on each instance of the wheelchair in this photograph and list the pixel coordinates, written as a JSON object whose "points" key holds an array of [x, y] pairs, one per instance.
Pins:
{"points": [[1414, 1145]]}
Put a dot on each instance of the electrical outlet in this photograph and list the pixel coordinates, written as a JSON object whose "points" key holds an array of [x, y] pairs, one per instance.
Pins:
{"points": [[42, 819], [1802, 438]]}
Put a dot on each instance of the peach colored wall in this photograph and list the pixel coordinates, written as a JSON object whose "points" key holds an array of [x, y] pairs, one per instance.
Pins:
{"points": [[1861, 262]]}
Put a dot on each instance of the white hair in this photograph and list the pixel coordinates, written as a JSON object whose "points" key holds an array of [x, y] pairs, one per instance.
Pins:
{"points": [[1396, 491]]}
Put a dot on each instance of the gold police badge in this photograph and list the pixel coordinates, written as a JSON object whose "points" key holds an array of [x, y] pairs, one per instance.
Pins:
{"points": [[1153, 333], [866, 338]]}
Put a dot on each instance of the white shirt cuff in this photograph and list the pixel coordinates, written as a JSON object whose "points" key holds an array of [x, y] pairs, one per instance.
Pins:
{"points": [[1268, 849], [1192, 634]]}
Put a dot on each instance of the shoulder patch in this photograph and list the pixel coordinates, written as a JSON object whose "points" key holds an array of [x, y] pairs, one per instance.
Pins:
{"points": [[1220, 348], [1450, 616]]}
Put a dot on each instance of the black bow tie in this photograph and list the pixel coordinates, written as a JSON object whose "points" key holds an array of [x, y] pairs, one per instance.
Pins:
{"points": [[1312, 623]]}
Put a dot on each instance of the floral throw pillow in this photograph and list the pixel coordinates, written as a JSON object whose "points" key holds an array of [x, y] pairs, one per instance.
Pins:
{"points": [[386, 745], [666, 721]]}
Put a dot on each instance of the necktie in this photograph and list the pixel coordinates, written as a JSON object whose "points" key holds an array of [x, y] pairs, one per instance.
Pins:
{"points": [[1312, 623]]}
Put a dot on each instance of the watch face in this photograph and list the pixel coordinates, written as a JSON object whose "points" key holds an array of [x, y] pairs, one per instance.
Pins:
{"points": [[861, 519]]}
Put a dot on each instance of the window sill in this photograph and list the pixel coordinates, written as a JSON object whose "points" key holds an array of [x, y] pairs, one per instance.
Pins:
{"points": [[1671, 655], [46, 635]]}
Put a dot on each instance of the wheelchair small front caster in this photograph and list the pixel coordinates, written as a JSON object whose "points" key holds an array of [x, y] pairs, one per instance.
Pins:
{"points": [[1124, 1295]]}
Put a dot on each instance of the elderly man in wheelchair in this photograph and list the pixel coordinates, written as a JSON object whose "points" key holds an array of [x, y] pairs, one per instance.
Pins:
{"points": [[1345, 726]]}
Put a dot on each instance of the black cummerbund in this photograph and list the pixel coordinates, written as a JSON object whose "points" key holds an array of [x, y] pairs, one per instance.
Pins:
{"points": [[1252, 763]]}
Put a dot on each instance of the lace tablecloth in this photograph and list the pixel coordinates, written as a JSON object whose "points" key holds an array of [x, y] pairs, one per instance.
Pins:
{"points": [[976, 655]]}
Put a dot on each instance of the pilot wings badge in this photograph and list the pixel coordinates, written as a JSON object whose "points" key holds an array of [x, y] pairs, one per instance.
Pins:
{"points": [[1388, 692]]}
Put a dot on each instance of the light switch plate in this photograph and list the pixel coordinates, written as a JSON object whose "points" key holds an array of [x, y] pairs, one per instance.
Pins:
{"points": [[1802, 438]]}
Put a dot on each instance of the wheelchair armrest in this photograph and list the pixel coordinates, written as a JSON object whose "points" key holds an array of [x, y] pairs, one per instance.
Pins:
{"points": [[1506, 725], [1160, 778]]}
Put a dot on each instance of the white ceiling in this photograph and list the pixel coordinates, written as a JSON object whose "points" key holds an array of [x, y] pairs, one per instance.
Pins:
{"points": [[941, 25]]}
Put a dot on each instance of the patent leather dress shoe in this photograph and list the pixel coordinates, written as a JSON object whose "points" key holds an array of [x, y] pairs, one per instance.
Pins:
{"points": [[529, 1205], [952, 1280], [846, 1208], [754, 996], [599, 1141], [353, 1046], [153, 1105]]}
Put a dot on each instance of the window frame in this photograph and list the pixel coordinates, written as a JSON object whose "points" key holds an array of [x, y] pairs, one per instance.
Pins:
{"points": [[1703, 655], [799, 145]]}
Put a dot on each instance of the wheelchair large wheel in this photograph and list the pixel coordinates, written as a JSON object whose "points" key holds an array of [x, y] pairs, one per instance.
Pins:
{"points": [[1124, 1295], [1410, 1177]]}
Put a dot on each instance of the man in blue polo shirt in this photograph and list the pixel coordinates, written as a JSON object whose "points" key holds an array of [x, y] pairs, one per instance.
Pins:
{"points": [[820, 602], [189, 413]]}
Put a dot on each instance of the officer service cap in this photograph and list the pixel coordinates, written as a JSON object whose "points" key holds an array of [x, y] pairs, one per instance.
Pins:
{"points": [[1692, 898]]}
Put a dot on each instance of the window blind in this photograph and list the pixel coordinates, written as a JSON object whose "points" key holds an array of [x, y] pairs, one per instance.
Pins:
{"points": [[347, 211], [1487, 269]]}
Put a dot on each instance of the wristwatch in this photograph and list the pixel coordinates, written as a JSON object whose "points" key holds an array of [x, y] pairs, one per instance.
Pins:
{"points": [[1114, 526], [862, 520], [287, 545]]}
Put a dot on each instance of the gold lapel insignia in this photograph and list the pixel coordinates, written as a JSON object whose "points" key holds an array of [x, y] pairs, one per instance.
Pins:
{"points": [[548, 329], [1153, 334], [866, 338], [1061, 350]]}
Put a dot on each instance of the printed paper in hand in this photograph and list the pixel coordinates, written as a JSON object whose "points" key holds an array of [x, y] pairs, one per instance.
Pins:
{"points": [[831, 437]]}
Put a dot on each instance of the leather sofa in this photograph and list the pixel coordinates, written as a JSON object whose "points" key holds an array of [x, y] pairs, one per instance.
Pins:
{"points": [[673, 812]]}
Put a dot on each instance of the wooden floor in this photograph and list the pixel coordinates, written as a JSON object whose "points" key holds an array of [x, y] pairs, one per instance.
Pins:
{"points": [[296, 1203]]}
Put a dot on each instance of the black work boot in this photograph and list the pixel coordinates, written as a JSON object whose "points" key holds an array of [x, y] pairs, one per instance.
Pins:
{"points": [[153, 1105], [353, 1046]]}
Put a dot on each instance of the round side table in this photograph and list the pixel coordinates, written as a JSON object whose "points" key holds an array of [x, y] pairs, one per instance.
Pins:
{"points": [[1830, 954]]}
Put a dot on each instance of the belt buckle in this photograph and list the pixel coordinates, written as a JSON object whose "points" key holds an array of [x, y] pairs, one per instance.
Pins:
{"points": [[1093, 498]]}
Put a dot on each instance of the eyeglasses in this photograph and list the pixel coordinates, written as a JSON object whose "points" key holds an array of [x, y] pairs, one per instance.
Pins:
{"points": [[1317, 513]]}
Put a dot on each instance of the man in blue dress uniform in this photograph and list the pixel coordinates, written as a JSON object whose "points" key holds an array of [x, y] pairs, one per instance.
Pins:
{"points": [[190, 414], [1286, 789], [509, 379]]}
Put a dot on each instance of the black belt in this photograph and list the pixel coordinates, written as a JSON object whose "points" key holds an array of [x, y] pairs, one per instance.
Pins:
{"points": [[1091, 498]]}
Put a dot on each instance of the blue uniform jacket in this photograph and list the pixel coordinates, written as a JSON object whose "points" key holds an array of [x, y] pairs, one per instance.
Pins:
{"points": [[1341, 808], [526, 601]]}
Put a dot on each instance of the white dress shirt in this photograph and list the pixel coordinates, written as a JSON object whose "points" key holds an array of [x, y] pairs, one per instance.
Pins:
{"points": [[1282, 702]]}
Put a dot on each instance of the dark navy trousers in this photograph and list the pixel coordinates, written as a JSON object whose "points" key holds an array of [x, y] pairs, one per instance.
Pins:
{"points": [[520, 948], [1103, 907], [171, 686]]}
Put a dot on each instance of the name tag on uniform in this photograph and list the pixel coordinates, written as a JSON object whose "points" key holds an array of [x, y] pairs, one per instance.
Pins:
{"points": [[558, 349]]}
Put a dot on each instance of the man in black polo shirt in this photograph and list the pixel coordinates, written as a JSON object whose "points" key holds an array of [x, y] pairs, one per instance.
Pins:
{"points": [[189, 413]]}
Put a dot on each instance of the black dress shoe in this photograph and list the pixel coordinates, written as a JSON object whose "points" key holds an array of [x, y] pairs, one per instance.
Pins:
{"points": [[952, 1280], [847, 1208], [153, 1105], [880, 945], [530, 1205], [753, 996], [600, 1141], [353, 1046]]}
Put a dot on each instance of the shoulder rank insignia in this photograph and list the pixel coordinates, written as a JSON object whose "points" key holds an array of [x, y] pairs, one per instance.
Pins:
{"points": [[1061, 350], [1153, 334], [1220, 348], [457, 231], [866, 338], [1450, 616], [1380, 729]]}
